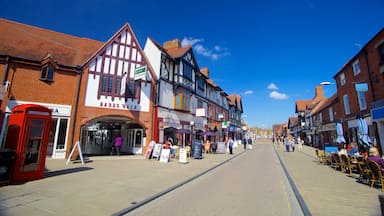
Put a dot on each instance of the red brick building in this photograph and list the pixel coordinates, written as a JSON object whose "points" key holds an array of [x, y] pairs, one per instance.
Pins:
{"points": [[89, 85], [360, 84]]}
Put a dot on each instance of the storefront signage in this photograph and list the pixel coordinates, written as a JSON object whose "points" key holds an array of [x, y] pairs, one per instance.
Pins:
{"points": [[141, 72], [200, 112], [220, 148], [156, 151], [183, 155], [328, 127], [164, 157], [119, 106]]}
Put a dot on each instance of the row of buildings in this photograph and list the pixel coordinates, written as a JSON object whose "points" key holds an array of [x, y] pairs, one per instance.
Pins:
{"points": [[97, 90], [358, 101]]}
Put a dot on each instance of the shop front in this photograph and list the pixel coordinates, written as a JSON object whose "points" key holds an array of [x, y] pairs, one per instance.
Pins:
{"points": [[58, 134], [98, 135], [327, 135], [377, 112], [353, 131]]}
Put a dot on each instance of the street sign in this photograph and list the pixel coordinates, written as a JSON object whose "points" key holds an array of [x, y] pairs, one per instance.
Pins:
{"points": [[141, 72]]}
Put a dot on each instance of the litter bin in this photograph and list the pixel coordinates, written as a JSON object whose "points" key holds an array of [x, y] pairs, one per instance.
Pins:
{"points": [[7, 161]]}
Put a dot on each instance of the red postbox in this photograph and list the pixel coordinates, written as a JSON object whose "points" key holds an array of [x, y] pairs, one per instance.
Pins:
{"points": [[28, 130]]}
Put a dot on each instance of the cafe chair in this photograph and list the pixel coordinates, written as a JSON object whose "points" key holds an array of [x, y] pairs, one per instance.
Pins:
{"points": [[346, 164], [364, 171], [336, 162], [189, 151], [377, 176]]}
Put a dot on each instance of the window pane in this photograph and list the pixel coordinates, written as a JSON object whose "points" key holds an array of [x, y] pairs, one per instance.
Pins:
{"points": [[346, 105], [62, 134], [50, 72], [117, 85], [44, 72], [110, 79], [104, 84], [178, 101], [362, 100]]}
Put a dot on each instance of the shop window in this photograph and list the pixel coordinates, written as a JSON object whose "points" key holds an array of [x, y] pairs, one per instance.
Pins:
{"points": [[62, 134], [47, 72]]}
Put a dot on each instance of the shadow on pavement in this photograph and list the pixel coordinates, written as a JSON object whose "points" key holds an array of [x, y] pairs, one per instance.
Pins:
{"points": [[48, 174]]}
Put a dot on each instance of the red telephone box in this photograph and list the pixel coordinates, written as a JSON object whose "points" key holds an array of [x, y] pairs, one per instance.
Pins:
{"points": [[28, 130]]}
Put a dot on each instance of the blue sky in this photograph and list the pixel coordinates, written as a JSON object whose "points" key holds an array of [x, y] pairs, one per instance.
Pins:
{"points": [[272, 52]]}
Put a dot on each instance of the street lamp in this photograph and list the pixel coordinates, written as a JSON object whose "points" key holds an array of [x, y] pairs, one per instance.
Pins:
{"points": [[326, 83]]}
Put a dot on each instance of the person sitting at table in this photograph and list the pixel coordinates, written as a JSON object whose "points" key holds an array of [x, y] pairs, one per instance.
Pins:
{"points": [[353, 149], [374, 155], [342, 149]]}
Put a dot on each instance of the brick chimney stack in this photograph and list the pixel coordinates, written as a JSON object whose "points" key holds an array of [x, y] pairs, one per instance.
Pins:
{"points": [[175, 43], [205, 71], [319, 94]]}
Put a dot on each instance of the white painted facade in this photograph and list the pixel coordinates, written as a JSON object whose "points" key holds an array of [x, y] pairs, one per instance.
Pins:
{"points": [[119, 60]]}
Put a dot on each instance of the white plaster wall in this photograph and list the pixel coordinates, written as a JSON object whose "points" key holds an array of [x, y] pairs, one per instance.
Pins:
{"points": [[106, 101], [166, 95], [154, 56]]}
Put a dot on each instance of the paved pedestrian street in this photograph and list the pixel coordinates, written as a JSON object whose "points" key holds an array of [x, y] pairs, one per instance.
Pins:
{"points": [[109, 184]]}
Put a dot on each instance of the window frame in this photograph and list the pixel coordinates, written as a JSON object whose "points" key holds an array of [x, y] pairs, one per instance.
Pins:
{"points": [[47, 72], [330, 113], [347, 107], [356, 67], [182, 100], [362, 100], [342, 79]]}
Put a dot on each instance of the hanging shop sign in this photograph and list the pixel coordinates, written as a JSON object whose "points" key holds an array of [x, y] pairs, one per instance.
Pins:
{"points": [[141, 73]]}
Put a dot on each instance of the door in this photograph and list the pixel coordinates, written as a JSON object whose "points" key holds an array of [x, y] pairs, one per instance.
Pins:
{"points": [[135, 141]]}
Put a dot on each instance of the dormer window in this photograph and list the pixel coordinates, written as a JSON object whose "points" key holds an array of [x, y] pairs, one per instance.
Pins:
{"points": [[47, 72]]}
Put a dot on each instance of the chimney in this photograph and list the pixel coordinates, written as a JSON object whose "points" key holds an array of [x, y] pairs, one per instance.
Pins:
{"points": [[175, 43], [319, 92], [205, 71]]}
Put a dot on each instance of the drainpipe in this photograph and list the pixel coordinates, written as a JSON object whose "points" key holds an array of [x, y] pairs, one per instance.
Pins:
{"points": [[78, 70]]}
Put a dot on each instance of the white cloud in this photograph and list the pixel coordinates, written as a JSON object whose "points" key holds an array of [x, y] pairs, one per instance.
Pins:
{"points": [[272, 86], [278, 96], [214, 54], [248, 92], [190, 41]]}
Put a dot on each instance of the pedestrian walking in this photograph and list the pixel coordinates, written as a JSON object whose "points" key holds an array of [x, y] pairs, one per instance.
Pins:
{"points": [[230, 145], [249, 143], [245, 144], [117, 143], [287, 143], [300, 143]]}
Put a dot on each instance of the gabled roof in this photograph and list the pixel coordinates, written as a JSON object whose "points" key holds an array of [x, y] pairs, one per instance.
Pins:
{"points": [[235, 100], [34, 43], [301, 105], [178, 52], [324, 104], [292, 121]]}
